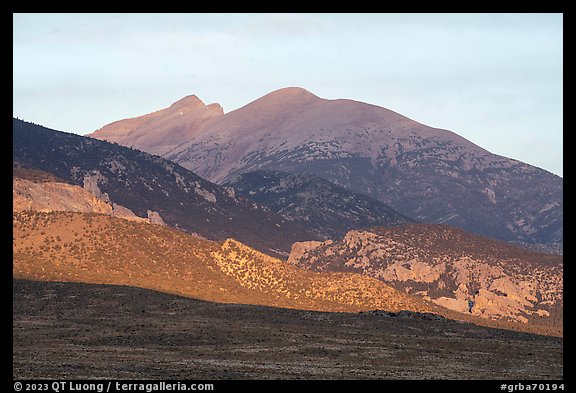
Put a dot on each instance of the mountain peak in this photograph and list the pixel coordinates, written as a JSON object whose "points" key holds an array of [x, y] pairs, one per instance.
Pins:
{"points": [[285, 96], [287, 92], [291, 90], [190, 100]]}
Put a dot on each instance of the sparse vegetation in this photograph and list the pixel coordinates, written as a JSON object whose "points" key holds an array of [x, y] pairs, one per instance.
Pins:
{"points": [[151, 335], [98, 249]]}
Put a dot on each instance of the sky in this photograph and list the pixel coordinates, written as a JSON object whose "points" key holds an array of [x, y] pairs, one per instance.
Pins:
{"points": [[495, 79]]}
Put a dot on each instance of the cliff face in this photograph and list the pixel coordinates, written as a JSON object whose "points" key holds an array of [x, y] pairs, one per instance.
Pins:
{"points": [[463, 272], [48, 196]]}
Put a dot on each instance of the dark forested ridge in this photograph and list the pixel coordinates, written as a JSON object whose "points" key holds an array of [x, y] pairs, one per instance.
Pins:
{"points": [[143, 182]]}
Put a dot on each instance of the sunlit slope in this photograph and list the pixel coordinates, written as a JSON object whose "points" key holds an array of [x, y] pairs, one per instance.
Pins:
{"points": [[94, 248]]}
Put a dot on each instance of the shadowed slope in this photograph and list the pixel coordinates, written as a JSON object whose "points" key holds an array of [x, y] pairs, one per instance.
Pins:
{"points": [[322, 207], [142, 182], [81, 331]]}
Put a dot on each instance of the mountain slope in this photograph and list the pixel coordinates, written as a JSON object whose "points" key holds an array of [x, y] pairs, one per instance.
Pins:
{"points": [[101, 249], [142, 183], [449, 267], [429, 174], [163, 130], [324, 208], [95, 248]]}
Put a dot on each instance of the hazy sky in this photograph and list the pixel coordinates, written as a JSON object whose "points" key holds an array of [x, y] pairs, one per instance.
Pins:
{"points": [[495, 79]]}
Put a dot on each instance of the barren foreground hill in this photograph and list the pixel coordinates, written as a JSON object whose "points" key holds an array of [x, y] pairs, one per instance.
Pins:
{"points": [[71, 330]]}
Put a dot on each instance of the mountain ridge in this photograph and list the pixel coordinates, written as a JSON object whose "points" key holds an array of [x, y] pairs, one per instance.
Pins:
{"points": [[162, 130], [142, 182]]}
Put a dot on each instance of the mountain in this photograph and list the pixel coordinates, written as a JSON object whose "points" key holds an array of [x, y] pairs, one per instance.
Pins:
{"points": [[145, 183], [324, 208], [450, 267], [428, 174]]}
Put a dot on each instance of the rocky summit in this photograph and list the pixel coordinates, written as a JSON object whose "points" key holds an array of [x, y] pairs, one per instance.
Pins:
{"points": [[163, 130]]}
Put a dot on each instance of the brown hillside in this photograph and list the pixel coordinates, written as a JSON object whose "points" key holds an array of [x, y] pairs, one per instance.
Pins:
{"points": [[94, 248]]}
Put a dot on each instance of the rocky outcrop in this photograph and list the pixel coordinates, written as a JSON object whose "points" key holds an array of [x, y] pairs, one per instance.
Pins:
{"points": [[276, 279], [56, 196], [155, 217], [463, 272]]}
